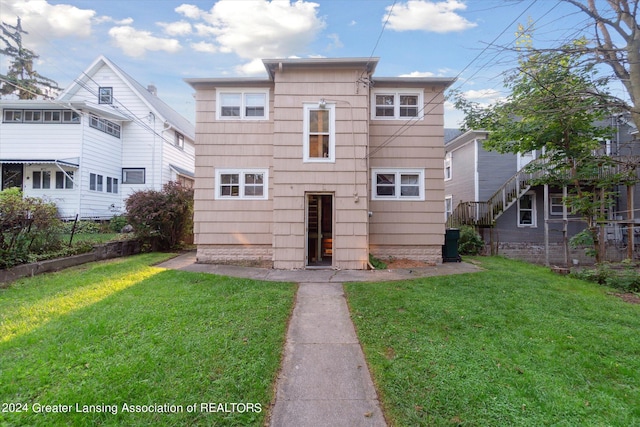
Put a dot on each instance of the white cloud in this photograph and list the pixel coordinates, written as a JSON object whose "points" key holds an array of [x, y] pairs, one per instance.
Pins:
{"points": [[204, 47], [136, 42], [43, 21], [190, 11], [418, 74], [336, 43], [251, 68], [424, 15], [179, 28], [108, 19], [482, 94], [258, 28]]}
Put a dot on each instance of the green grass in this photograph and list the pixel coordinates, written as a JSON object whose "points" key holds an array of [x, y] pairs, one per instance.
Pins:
{"points": [[126, 332], [513, 345]]}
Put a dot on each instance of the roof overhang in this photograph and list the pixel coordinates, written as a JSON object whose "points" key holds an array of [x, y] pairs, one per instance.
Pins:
{"points": [[197, 83], [368, 65], [182, 172], [106, 111], [71, 163], [413, 81]]}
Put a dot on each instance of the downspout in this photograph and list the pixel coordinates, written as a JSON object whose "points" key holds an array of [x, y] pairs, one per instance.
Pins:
{"points": [[80, 163], [153, 151], [166, 127]]}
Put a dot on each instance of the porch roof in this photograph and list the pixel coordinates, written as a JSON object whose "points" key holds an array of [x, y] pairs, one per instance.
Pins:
{"points": [[72, 163]]}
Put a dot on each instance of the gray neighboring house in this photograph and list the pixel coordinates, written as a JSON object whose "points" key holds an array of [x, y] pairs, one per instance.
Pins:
{"points": [[514, 226]]}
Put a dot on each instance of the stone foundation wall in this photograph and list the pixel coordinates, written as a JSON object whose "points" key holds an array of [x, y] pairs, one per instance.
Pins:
{"points": [[535, 253], [211, 254], [428, 254]]}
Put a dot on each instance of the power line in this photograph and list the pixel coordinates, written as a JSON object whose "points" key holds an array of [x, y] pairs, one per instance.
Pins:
{"points": [[413, 121]]}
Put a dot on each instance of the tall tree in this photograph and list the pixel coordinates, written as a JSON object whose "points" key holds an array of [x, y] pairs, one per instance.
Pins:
{"points": [[21, 78], [616, 42], [556, 100]]}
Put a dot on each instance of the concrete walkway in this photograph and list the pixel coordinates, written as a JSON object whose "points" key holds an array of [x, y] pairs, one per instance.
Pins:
{"points": [[324, 379]]}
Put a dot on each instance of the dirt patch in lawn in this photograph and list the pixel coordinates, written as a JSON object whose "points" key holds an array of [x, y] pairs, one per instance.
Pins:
{"points": [[628, 297]]}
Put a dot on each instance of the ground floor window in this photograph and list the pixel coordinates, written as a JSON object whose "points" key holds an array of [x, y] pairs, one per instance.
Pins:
{"points": [[64, 180], [133, 175], [41, 179], [398, 184], [242, 184], [527, 210], [448, 207]]}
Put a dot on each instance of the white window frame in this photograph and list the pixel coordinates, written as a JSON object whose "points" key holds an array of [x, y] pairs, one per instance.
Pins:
{"points": [[244, 93], [307, 108], [448, 166], [397, 93], [559, 207], [64, 178], [105, 95], [398, 172], [533, 224], [112, 185], [39, 181], [448, 206], [242, 184], [179, 140]]}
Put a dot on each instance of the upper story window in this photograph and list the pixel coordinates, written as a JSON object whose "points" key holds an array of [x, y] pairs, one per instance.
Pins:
{"points": [[319, 142], [242, 184], [105, 126], [40, 116], [243, 104], [105, 95], [179, 142], [395, 105], [397, 184], [447, 167]]}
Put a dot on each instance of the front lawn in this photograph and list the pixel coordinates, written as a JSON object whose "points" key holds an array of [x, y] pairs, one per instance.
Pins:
{"points": [[126, 343], [513, 345]]}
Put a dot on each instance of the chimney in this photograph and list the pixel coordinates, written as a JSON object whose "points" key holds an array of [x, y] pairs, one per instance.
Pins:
{"points": [[153, 89]]}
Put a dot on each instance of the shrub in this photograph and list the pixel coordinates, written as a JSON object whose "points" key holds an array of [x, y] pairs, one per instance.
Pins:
{"points": [[117, 223], [161, 219], [624, 276], [28, 226], [470, 242]]}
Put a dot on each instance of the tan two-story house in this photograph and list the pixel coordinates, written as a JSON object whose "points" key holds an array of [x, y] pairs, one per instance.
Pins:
{"points": [[319, 165]]}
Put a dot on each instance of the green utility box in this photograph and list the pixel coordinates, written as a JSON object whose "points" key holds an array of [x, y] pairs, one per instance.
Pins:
{"points": [[450, 247]]}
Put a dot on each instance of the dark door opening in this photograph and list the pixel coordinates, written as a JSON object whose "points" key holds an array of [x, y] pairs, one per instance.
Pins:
{"points": [[319, 230], [11, 175]]}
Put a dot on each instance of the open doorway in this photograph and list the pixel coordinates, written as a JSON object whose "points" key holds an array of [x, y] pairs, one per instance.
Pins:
{"points": [[319, 230]]}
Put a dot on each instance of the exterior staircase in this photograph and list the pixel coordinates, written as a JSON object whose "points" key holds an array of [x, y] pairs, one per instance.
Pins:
{"points": [[485, 214]]}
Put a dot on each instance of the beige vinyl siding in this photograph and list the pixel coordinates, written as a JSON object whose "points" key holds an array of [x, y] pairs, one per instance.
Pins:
{"points": [[225, 229], [403, 228], [294, 179]]}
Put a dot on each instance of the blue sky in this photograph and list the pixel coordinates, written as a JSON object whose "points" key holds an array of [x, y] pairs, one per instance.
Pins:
{"points": [[164, 41]]}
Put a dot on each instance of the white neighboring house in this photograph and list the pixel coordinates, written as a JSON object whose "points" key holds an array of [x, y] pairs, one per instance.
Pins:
{"points": [[103, 138]]}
